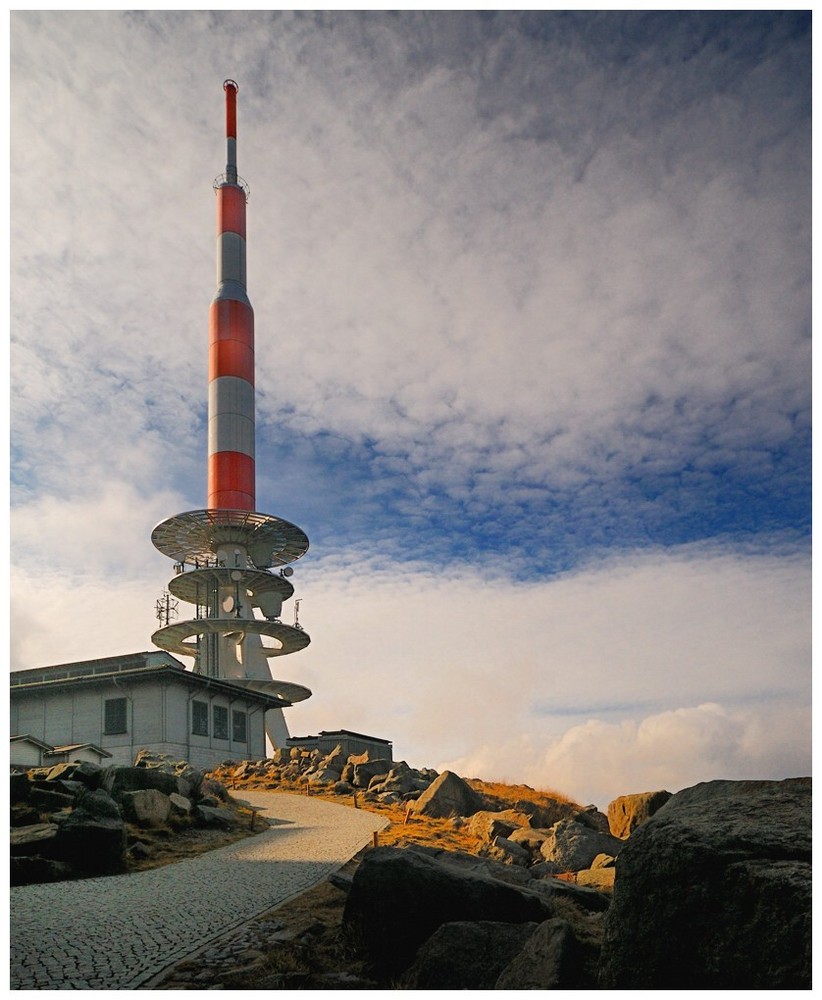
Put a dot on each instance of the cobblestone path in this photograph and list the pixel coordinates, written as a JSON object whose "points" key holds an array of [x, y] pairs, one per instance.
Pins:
{"points": [[118, 932]]}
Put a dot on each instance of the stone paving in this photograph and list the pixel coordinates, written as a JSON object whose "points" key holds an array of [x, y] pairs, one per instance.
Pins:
{"points": [[121, 931]]}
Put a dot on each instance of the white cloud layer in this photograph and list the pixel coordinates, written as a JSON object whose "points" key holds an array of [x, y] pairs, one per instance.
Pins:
{"points": [[532, 293]]}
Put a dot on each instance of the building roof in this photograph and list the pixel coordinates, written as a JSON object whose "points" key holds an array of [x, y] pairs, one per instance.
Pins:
{"points": [[72, 747], [136, 667], [340, 733], [27, 738]]}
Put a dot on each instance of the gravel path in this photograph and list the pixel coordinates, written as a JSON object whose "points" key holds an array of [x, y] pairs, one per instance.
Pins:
{"points": [[118, 932]]}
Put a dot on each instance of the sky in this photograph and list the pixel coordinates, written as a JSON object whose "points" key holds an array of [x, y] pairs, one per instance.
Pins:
{"points": [[532, 297]]}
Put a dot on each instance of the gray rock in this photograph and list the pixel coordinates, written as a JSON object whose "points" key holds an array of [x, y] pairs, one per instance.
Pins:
{"points": [[39, 838], [98, 804], [47, 801], [93, 837], [147, 807], [714, 892], [323, 776], [210, 816], [343, 788], [488, 825], [448, 796], [544, 816], [365, 772], [119, 779], [466, 955], [628, 812], [553, 958], [179, 805], [90, 774], [335, 761], [19, 786], [573, 846], [508, 852], [597, 878], [530, 838], [23, 815], [28, 871], [591, 816], [399, 897]]}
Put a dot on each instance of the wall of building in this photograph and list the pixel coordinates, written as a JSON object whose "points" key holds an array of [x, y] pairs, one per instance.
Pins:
{"points": [[24, 754], [159, 717]]}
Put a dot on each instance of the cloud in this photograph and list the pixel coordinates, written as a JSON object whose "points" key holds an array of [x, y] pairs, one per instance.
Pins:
{"points": [[597, 761]]}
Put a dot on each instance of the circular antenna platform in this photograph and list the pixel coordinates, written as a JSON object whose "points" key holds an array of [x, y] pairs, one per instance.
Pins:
{"points": [[196, 535]]}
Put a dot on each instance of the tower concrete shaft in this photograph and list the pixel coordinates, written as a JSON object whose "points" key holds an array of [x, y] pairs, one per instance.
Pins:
{"points": [[225, 553]]}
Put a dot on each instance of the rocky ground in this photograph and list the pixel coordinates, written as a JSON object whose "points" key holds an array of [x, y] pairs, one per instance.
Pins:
{"points": [[471, 885]]}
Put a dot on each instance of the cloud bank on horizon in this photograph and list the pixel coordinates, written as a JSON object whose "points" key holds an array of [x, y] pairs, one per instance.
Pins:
{"points": [[533, 366]]}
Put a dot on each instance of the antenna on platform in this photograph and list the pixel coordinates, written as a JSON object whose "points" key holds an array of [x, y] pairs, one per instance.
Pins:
{"points": [[165, 608]]}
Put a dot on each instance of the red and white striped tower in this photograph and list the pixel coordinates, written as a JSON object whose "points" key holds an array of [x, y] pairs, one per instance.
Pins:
{"points": [[224, 554], [231, 353]]}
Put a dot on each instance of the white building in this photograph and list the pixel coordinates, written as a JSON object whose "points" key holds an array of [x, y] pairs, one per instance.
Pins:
{"points": [[123, 704]]}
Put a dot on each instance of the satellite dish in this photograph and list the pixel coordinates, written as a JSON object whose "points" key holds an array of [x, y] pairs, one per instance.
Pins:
{"points": [[288, 571], [236, 575]]}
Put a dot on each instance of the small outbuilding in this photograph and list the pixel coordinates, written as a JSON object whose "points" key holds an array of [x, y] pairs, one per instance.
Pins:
{"points": [[351, 743]]}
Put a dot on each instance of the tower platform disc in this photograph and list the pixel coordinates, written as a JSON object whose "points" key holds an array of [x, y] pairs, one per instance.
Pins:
{"points": [[196, 535]]}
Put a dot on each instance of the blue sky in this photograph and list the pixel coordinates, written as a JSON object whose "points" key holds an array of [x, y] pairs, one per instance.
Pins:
{"points": [[532, 296]]}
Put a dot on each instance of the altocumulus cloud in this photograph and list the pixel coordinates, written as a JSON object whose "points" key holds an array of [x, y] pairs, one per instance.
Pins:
{"points": [[532, 298]]}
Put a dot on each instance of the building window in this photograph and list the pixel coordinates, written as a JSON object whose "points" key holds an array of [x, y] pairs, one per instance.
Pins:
{"points": [[115, 716], [199, 718], [239, 723], [220, 720]]}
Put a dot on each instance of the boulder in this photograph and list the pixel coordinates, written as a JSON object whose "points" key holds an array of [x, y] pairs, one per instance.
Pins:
{"points": [[211, 816], [399, 779], [597, 878], [19, 787], [544, 816], [47, 801], [487, 825], [90, 774], [93, 837], [23, 815], [27, 871], [119, 779], [363, 773], [336, 760], [188, 777], [553, 958], [448, 796], [466, 955], [209, 787], [148, 807], [508, 852], [530, 837], [359, 758], [714, 892], [398, 898], [179, 805], [591, 816], [324, 777], [573, 846], [38, 838], [627, 812]]}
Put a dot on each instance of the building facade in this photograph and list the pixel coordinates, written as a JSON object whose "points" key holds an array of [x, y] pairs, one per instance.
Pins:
{"points": [[123, 704]]}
